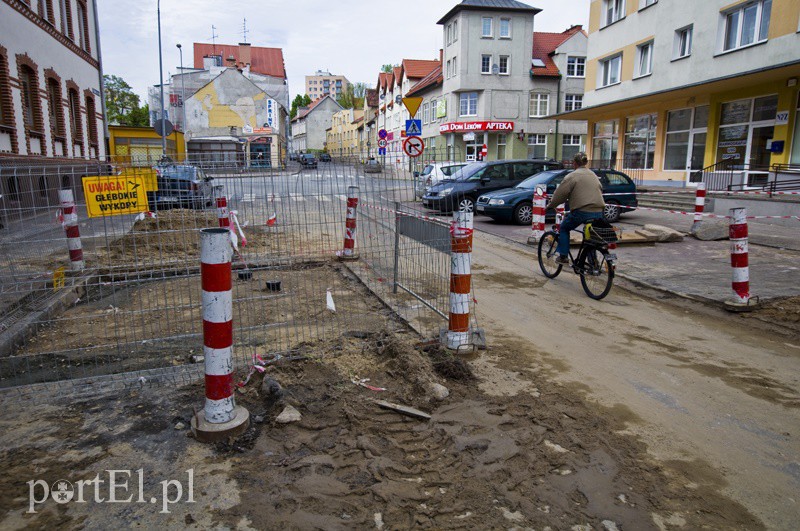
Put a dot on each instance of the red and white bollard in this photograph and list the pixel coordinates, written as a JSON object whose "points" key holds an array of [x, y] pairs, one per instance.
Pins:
{"points": [[559, 216], [70, 224], [538, 213], [350, 225], [458, 332], [739, 259], [222, 212], [699, 205], [221, 417]]}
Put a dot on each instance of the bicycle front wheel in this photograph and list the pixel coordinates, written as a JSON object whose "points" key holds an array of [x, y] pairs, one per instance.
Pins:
{"points": [[597, 274], [548, 254]]}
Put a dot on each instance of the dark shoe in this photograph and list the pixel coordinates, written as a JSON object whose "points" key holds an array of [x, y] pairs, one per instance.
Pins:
{"points": [[562, 259]]}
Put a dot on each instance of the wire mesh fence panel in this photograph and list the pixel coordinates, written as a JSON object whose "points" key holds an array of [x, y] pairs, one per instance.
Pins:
{"points": [[132, 309]]}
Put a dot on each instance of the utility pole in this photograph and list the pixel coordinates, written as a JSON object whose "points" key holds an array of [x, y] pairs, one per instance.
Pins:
{"points": [[161, 80]]}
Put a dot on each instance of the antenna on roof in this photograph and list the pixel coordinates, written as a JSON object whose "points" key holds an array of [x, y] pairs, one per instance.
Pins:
{"points": [[214, 38], [244, 30]]}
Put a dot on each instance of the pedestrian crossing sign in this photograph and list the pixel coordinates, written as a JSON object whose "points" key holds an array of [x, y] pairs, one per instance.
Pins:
{"points": [[413, 127]]}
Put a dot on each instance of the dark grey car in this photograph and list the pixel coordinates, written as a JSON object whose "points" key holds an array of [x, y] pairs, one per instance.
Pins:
{"points": [[183, 186]]}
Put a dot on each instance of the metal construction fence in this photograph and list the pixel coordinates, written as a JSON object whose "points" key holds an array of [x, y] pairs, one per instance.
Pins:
{"points": [[132, 310]]}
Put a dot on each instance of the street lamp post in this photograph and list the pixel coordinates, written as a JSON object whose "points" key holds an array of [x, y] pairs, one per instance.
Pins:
{"points": [[183, 106], [161, 80]]}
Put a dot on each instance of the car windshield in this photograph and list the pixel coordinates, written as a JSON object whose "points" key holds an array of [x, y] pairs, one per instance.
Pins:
{"points": [[428, 169], [468, 171], [540, 178]]}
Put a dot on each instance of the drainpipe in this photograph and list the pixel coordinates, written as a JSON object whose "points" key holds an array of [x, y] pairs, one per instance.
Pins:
{"points": [[102, 81], [558, 110]]}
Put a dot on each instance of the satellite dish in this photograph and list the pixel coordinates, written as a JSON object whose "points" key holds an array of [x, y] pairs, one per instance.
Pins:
{"points": [[495, 69]]}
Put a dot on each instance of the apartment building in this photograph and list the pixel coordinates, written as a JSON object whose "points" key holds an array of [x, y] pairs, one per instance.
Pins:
{"points": [[311, 123], [343, 137], [324, 83], [51, 103], [675, 87]]}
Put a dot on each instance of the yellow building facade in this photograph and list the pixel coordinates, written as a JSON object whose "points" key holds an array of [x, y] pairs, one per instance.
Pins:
{"points": [[141, 146]]}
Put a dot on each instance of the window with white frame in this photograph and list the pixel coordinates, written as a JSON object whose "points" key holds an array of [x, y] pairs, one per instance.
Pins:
{"points": [[604, 141], [576, 66], [644, 63], [468, 104], [425, 113], [449, 34], [505, 28], [486, 27], [447, 75], [455, 30], [640, 141], [682, 45], [610, 70], [455, 66], [570, 145], [501, 147], [573, 102], [504, 65], [540, 102], [537, 146], [645, 3], [745, 25], [486, 64], [613, 10]]}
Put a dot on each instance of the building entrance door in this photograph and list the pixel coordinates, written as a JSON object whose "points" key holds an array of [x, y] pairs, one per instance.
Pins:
{"points": [[696, 155], [474, 146], [757, 155]]}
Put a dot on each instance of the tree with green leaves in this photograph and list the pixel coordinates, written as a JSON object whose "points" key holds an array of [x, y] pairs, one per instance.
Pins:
{"points": [[388, 68], [348, 100], [299, 101], [122, 104]]}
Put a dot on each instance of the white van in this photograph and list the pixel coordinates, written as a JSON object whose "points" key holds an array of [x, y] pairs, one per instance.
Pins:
{"points": [[435, 172]]}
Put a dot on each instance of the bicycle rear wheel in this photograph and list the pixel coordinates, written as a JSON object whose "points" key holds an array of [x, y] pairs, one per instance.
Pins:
{"points": [[597, 274], [548, 254]]}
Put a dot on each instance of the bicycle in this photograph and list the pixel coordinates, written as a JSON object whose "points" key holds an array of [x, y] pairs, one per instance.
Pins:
{"points": [[593, 263]]}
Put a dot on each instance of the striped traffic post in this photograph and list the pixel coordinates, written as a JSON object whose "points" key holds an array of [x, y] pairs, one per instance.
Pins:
{"points": [[221, 417], [350, 225], [559, 216], [699, 205], [71, 228], [538, 213], [739, 259], [458, 333], [222, 212]]}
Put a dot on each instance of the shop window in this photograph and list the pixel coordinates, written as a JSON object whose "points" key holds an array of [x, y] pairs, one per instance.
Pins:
{"points": [[745, 25], [682, 46], [537, 146], [640, 142], [539, 105], [576, 66], [573, 102], [604, 141], [610, 71], [501, 147]]}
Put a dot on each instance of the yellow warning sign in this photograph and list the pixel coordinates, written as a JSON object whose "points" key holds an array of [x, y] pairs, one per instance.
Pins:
{"points": [[412, 105], [58, 278], [112, 195]]}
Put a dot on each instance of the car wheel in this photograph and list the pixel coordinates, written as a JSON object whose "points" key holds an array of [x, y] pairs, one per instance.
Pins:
{"points": [[523, 214], [466, 205], [611, 212]]}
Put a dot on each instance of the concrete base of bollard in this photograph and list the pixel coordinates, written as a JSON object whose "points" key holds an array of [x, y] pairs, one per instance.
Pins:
{"points": [[533, 240], [205, 431], [477, 339], [738, 307], [342, 258]]}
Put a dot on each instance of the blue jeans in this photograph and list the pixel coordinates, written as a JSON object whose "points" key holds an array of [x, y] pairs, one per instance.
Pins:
{"points": [[573, 220]]}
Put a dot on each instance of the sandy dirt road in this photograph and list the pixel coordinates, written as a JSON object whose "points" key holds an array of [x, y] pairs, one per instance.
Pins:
{"points": [[714, 399]]}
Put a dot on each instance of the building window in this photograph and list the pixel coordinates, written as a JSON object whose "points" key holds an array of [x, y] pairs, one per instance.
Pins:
{"points": [[46, 10], [66, 18], [30, 97], [609, 70], [75, 115], [746, 25], [686, 139], [644, 64], [682, 47], [83, 26], [646, 3], [55, 107], [501, 146], [486, 27], [504, 65], [570, 145], [604, 141], [573, 102], [505, 28], [486, 64], [640, 142], [449, 35], [740, 120], [614, 10], [468, 104], [539, 104], [576, 66], [91, 120], [455, 30], [448, 71], [455, 66], [426, 115], [537, 146]]}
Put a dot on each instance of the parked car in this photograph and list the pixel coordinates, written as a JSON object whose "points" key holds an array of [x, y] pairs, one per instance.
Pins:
{"points": [[308, 160], [182, 186], [461, 190], [435, 172], [372, 166], [324, 157], [294, 155], [515, 204]]}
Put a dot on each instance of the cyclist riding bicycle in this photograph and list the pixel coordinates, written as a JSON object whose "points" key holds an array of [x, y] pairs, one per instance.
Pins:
{"points": [[583, 190]]}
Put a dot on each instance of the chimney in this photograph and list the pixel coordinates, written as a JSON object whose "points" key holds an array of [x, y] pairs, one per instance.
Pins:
{"points": [[441, 54], [244, 53]]}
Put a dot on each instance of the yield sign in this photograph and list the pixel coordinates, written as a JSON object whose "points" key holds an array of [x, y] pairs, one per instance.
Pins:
{"points": [[413, 146], [412, 105]]}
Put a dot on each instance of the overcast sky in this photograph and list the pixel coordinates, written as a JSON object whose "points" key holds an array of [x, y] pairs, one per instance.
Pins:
{"points": [[348, 37]]}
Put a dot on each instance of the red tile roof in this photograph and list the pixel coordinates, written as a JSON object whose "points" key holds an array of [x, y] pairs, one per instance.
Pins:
{"points": [[397, 73], [544, 44], [418, 68], [433, 79], [306, 110], [372, 97], [266, 61]]}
